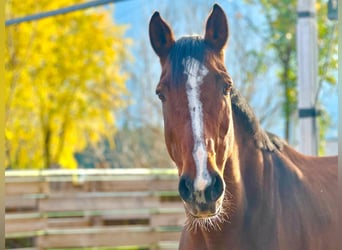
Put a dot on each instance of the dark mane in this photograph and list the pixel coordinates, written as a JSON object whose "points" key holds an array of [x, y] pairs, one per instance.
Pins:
{"points": [[241, 109], [190, 46]]}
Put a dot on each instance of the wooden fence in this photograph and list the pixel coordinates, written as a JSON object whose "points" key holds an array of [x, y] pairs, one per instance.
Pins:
{"points": [[93, 209]]}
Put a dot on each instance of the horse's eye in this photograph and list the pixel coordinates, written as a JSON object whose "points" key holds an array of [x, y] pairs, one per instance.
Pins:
{"points": [[160, 96], [226, 89]]}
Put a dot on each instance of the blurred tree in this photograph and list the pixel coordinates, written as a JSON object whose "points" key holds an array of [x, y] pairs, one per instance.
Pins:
{"points": [[327, 66], [281, 19], [251, 68], [135, 147], [280, 35], [64, 82], [140, 147]]}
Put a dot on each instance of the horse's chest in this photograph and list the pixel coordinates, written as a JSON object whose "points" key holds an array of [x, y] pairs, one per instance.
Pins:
{"points": [[214, 240]]}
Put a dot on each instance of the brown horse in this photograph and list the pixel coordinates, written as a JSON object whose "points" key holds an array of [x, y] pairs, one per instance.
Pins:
{"points": [[242, 188]]}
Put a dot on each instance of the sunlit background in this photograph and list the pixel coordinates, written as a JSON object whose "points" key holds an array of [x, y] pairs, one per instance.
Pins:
{"points": [[80, 94]]}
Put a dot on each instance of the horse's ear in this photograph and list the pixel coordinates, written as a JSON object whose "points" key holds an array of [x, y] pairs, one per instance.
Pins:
{"points": [[161, 36], [216, 29]]}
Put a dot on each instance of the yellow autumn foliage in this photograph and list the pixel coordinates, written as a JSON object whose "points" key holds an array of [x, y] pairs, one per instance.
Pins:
{"points": [[64, 82]]}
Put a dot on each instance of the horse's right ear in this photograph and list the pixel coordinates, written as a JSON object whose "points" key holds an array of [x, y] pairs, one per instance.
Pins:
{"points": [[161, 36]]}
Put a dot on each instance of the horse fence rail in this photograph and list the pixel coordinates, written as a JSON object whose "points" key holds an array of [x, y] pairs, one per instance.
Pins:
{"points": [[92, 209]]}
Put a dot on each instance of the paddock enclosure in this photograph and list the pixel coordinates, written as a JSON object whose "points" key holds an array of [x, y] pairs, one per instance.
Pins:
{"points": [[92, 209]]}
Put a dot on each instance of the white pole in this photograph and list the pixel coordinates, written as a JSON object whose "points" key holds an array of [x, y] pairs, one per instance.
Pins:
{"points": [[307, 75]]}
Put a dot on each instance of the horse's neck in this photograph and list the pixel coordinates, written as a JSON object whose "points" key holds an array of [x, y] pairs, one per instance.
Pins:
{"points": [[275, 193], [254, 167], [247, 159]]}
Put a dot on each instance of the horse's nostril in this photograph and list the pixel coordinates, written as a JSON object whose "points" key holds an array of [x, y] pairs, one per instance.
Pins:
{"points": [[185, 188], [215, 190], [211, 193]]}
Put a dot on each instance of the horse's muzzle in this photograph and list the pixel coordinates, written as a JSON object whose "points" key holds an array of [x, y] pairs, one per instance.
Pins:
{"points": [[202, 203]]}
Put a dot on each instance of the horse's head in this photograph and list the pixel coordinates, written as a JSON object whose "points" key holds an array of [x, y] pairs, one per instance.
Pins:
{"points": [[194, 89]]}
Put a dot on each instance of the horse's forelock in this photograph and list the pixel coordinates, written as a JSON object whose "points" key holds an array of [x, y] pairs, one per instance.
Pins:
{"points": [[185, 47]]}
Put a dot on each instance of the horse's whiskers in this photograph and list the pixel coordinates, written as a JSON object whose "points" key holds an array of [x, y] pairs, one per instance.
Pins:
{"points": [[211, 223]]}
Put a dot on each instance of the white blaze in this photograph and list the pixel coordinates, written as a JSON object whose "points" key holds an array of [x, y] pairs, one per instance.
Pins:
{"points": [[196, 72]]}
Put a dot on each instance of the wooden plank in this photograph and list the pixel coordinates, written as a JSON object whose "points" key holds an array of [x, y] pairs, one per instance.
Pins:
{"points": [[164, 185], [119, 185], [168, 245], [69, 186], [84, 208], [19, 203], [25, 248], [96, 203], [92, 172], [123, 185], [21, 224], [119, 213], [113, 236], [101, 186], [27, 234], [127, 215], [168, 204], [69, 222], [22, 173], [23, 179], [171, 218], [19, 188]]}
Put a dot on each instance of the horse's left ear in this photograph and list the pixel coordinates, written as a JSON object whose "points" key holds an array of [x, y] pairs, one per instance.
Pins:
{"points": [[216, 30]]}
